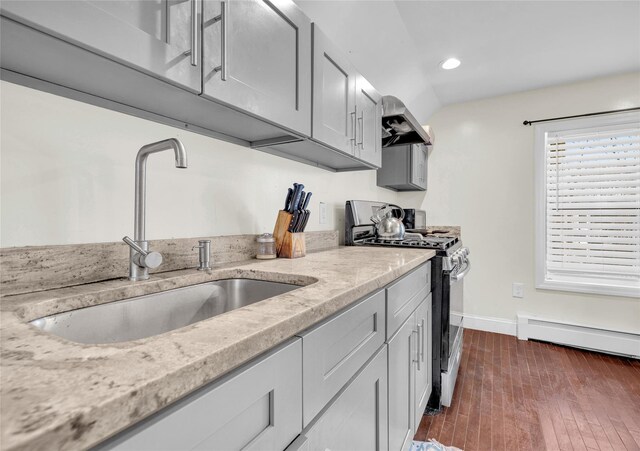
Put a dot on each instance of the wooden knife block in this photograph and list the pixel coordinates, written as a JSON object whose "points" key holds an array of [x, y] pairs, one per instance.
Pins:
{"points": [[288, 245]]}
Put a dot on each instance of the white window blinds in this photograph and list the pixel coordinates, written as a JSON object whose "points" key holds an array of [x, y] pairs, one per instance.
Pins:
{"points": [[592, 205]]}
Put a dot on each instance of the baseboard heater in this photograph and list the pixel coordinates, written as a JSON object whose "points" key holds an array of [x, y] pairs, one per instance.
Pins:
{"points": [[585, 337]]}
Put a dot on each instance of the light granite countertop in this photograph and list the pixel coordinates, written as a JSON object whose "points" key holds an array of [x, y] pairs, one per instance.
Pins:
{"points": [[56, 394]]}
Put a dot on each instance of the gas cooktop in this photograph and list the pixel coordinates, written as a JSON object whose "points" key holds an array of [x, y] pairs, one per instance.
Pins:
{"points": [[432, 242]]}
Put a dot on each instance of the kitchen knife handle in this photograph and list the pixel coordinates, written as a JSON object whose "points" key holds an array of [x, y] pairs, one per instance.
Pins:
{"points": [[294, 220], [195, 32], [297, 194], [306, 219], [222, 18], [287, 200], [306, 201]]}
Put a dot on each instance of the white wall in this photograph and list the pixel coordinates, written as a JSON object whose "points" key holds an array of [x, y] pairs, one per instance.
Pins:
{"points": [[481, 177], [67, 176]]}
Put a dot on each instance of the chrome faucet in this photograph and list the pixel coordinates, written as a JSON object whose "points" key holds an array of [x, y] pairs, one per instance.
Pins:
{"points": [[141, 259]]}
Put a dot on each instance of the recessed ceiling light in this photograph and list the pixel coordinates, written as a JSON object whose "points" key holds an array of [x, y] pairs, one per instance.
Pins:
{"points": [[451, 63]]}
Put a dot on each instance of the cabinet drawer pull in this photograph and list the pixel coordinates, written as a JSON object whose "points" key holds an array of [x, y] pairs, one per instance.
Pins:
{"points": [[222, 18], [417, 360], [421, 341], [195, 32]]}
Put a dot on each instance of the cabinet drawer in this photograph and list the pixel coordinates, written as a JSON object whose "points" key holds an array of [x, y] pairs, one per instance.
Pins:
{"points": [[336, 349], [404, 296], [234, 413], [356, 420]]}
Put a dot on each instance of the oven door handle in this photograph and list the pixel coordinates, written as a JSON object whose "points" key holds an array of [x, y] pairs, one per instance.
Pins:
{"points": [[460, 274]]}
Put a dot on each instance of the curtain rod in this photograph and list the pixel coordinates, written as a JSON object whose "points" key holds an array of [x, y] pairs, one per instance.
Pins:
{"points": [[581, 115]]}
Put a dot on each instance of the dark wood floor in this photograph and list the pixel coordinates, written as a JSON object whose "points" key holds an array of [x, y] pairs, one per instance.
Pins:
{"points": [[526, 395]]}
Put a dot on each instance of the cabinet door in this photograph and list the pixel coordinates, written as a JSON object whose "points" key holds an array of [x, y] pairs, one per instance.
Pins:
{"points": [[419, 165], [258, 407], [401, 386], [337, 349], [423, 358], [368, 122], [155, 37], [357, 419], [334, 87], [257, 58]]}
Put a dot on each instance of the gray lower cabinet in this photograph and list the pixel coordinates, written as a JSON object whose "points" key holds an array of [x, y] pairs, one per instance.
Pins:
{"points": [[404, 168], [257, 58], [409, 376], [155, 37], [336, 349], [423, 358], [356, 420], [258, 407], [405, 294], [401, 382]]}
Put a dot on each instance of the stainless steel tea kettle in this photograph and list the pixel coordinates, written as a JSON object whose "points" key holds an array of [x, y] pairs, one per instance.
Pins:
{"points": [[387, 226]]}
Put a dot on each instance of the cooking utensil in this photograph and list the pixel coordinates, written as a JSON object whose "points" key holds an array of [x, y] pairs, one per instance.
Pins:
{"points": [[296, 219], [387, 226], [306, 201], [287, 201], [305, 213], [297, 194]]}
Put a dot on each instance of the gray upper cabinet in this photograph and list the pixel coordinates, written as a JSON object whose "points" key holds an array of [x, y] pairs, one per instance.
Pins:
{"points": [[156, 37], [404, 168], [334, 95], [419, 165], [257, 58], [368, 120]]}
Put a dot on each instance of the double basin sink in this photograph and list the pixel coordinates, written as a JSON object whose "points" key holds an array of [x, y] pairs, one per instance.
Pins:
{"points": [[154, 314]]}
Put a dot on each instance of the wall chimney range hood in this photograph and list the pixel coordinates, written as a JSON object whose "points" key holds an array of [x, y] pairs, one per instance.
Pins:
{"points": [[399, 127]]}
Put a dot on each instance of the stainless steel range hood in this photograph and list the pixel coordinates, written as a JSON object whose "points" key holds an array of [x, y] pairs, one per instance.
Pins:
{"points": [[400, 127]]}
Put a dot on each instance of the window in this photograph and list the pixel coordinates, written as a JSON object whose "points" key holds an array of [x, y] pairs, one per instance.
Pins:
{"points": [[588, 205]]}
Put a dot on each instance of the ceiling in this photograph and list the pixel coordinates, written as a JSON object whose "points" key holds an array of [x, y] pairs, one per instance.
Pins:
{"points": [[504, 46]]}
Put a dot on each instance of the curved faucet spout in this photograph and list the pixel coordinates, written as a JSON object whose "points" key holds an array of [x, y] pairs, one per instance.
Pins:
{"points": [[166, 144], [141, 169]]}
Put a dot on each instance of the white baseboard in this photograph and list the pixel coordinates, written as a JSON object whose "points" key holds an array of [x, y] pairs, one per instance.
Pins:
{"points": [[586, 337], [488, 324]]}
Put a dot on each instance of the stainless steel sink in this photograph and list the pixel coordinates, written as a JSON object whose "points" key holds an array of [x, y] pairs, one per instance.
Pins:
{"points": [[157, 313]]}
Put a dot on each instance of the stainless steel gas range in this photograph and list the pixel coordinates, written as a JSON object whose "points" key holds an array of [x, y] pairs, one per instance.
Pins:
{"points": [[448, 269]]}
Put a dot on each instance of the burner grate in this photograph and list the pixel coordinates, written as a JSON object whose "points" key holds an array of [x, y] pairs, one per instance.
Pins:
{"points": [[441, 243]]}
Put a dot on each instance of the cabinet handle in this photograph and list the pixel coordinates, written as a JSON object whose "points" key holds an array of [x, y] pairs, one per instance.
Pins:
{"points": [[195, 33], [353, 127], [222, 18], [417, 360], [361, 123], [421, 341]]}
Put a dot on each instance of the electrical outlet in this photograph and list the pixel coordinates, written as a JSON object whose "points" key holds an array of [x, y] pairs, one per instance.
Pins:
{"points": [[322, 216], [517, 290]]}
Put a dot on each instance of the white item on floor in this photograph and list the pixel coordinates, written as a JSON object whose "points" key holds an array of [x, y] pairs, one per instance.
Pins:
{"points": [[431, 445]]}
